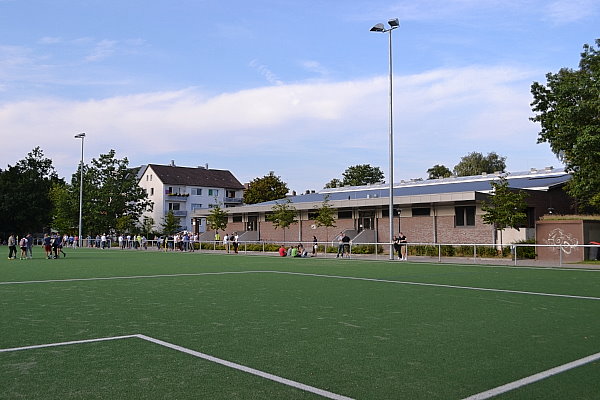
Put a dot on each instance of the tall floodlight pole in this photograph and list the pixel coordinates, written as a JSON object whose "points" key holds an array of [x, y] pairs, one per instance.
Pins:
{"points": [[82, 137], [393, 23]]}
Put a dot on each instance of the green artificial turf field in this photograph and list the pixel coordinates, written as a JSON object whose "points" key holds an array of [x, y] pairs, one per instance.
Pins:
{"points": [[345, 328]]}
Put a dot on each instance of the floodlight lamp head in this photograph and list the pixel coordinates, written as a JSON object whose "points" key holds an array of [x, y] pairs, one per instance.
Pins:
{"points": [[378, 28], [80, 135], [394, 23]]}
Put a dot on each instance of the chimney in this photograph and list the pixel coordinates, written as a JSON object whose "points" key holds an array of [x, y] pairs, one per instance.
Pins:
{"points": [[172, 164]]}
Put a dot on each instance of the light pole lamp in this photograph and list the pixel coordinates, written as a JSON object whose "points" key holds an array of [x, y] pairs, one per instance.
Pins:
{"points": [[82, 137], [393, 24]]}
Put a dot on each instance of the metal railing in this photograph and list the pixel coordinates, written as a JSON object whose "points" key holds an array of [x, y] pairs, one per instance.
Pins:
{"points": [[507, 254]]}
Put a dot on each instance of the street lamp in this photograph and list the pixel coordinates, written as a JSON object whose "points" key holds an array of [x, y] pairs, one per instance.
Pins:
{"points": [[82, 137], [393, 23]]}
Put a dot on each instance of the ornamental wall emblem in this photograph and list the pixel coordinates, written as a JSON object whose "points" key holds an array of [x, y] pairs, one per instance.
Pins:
{"points": [[561, 240]]}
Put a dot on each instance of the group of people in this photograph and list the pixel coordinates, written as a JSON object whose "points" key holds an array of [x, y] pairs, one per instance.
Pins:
{"points": [[230, 241], [52, 244], [400, 246], [25, 243], [343, 245], [294, 251]]}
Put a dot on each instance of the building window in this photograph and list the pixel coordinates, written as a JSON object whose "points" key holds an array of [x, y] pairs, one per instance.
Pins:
{"points": [[174, 206], [196, 206], [197, 191], [385, 212], [345, 214], [420, 211], [230, 193], [464, 216], [236, 218], [213, 192], [151, 191]]}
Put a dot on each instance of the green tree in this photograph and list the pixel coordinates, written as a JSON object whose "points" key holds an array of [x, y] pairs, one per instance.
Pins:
{"points": [[126, 224], [334, 183], [147, 225], [439, 171], [25, 204], [171, 224], [363, 174], [568, 111], [267, 188], [217, 218], [475, 163], [505, 208], [65, 207], [325, 215], [110, 192], [283, 215]]}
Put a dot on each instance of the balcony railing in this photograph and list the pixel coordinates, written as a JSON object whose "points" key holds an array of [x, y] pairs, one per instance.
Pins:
{"points": [[179, 213], [233, 200], [176, 196]]}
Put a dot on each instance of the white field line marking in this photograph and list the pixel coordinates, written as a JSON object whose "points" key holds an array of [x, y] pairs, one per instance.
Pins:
{"points": [[534, 378], [307, 274], [110, 278], [41, 346], [249, 370], [439, 285], [239, 367]]}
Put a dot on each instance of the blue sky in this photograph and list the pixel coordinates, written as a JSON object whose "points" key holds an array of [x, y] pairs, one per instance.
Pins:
{"points": [[295, 87]]}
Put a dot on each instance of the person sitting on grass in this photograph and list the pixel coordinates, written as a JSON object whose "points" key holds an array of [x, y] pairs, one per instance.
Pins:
{"points": [[282, 251], [294, 251]]}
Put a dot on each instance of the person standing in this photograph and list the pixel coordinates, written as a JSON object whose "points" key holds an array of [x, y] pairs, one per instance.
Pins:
{"points": [[57, 246], [47, 245], [226, 242], [315, 246], [340, 245], [23, 246], [29, 246], [12, 247], [346, 244], [235, 242], [397, 247], [402, 241]]}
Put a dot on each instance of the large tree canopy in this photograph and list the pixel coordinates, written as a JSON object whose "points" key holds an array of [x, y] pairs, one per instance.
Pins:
{"points": [[568, 110], [111, 194], [357, 175], [267, 188], [25, 205], [439, 171], [475, 163]]}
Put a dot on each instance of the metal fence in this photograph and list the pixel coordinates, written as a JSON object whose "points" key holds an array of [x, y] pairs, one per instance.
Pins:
{"points": [[509, 254]]}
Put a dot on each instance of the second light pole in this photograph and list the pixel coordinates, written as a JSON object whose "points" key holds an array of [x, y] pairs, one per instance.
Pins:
{"points": [[393, 24]]}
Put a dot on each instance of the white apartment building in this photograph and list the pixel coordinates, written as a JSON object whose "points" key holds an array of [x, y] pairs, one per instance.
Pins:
{"points": [[184, 190]]}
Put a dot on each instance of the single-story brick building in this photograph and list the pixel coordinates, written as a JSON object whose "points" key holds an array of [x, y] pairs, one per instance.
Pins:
{"points": [[427, 211]]}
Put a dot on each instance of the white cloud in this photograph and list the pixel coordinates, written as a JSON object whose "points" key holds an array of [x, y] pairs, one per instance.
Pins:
{"points": [[315, 67], [269, 75], [50, 40], [569, 11], [102, 50], [441, 114]]}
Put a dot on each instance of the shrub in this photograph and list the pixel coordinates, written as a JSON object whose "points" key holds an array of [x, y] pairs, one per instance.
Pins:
{"points": [[527, 252]]}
